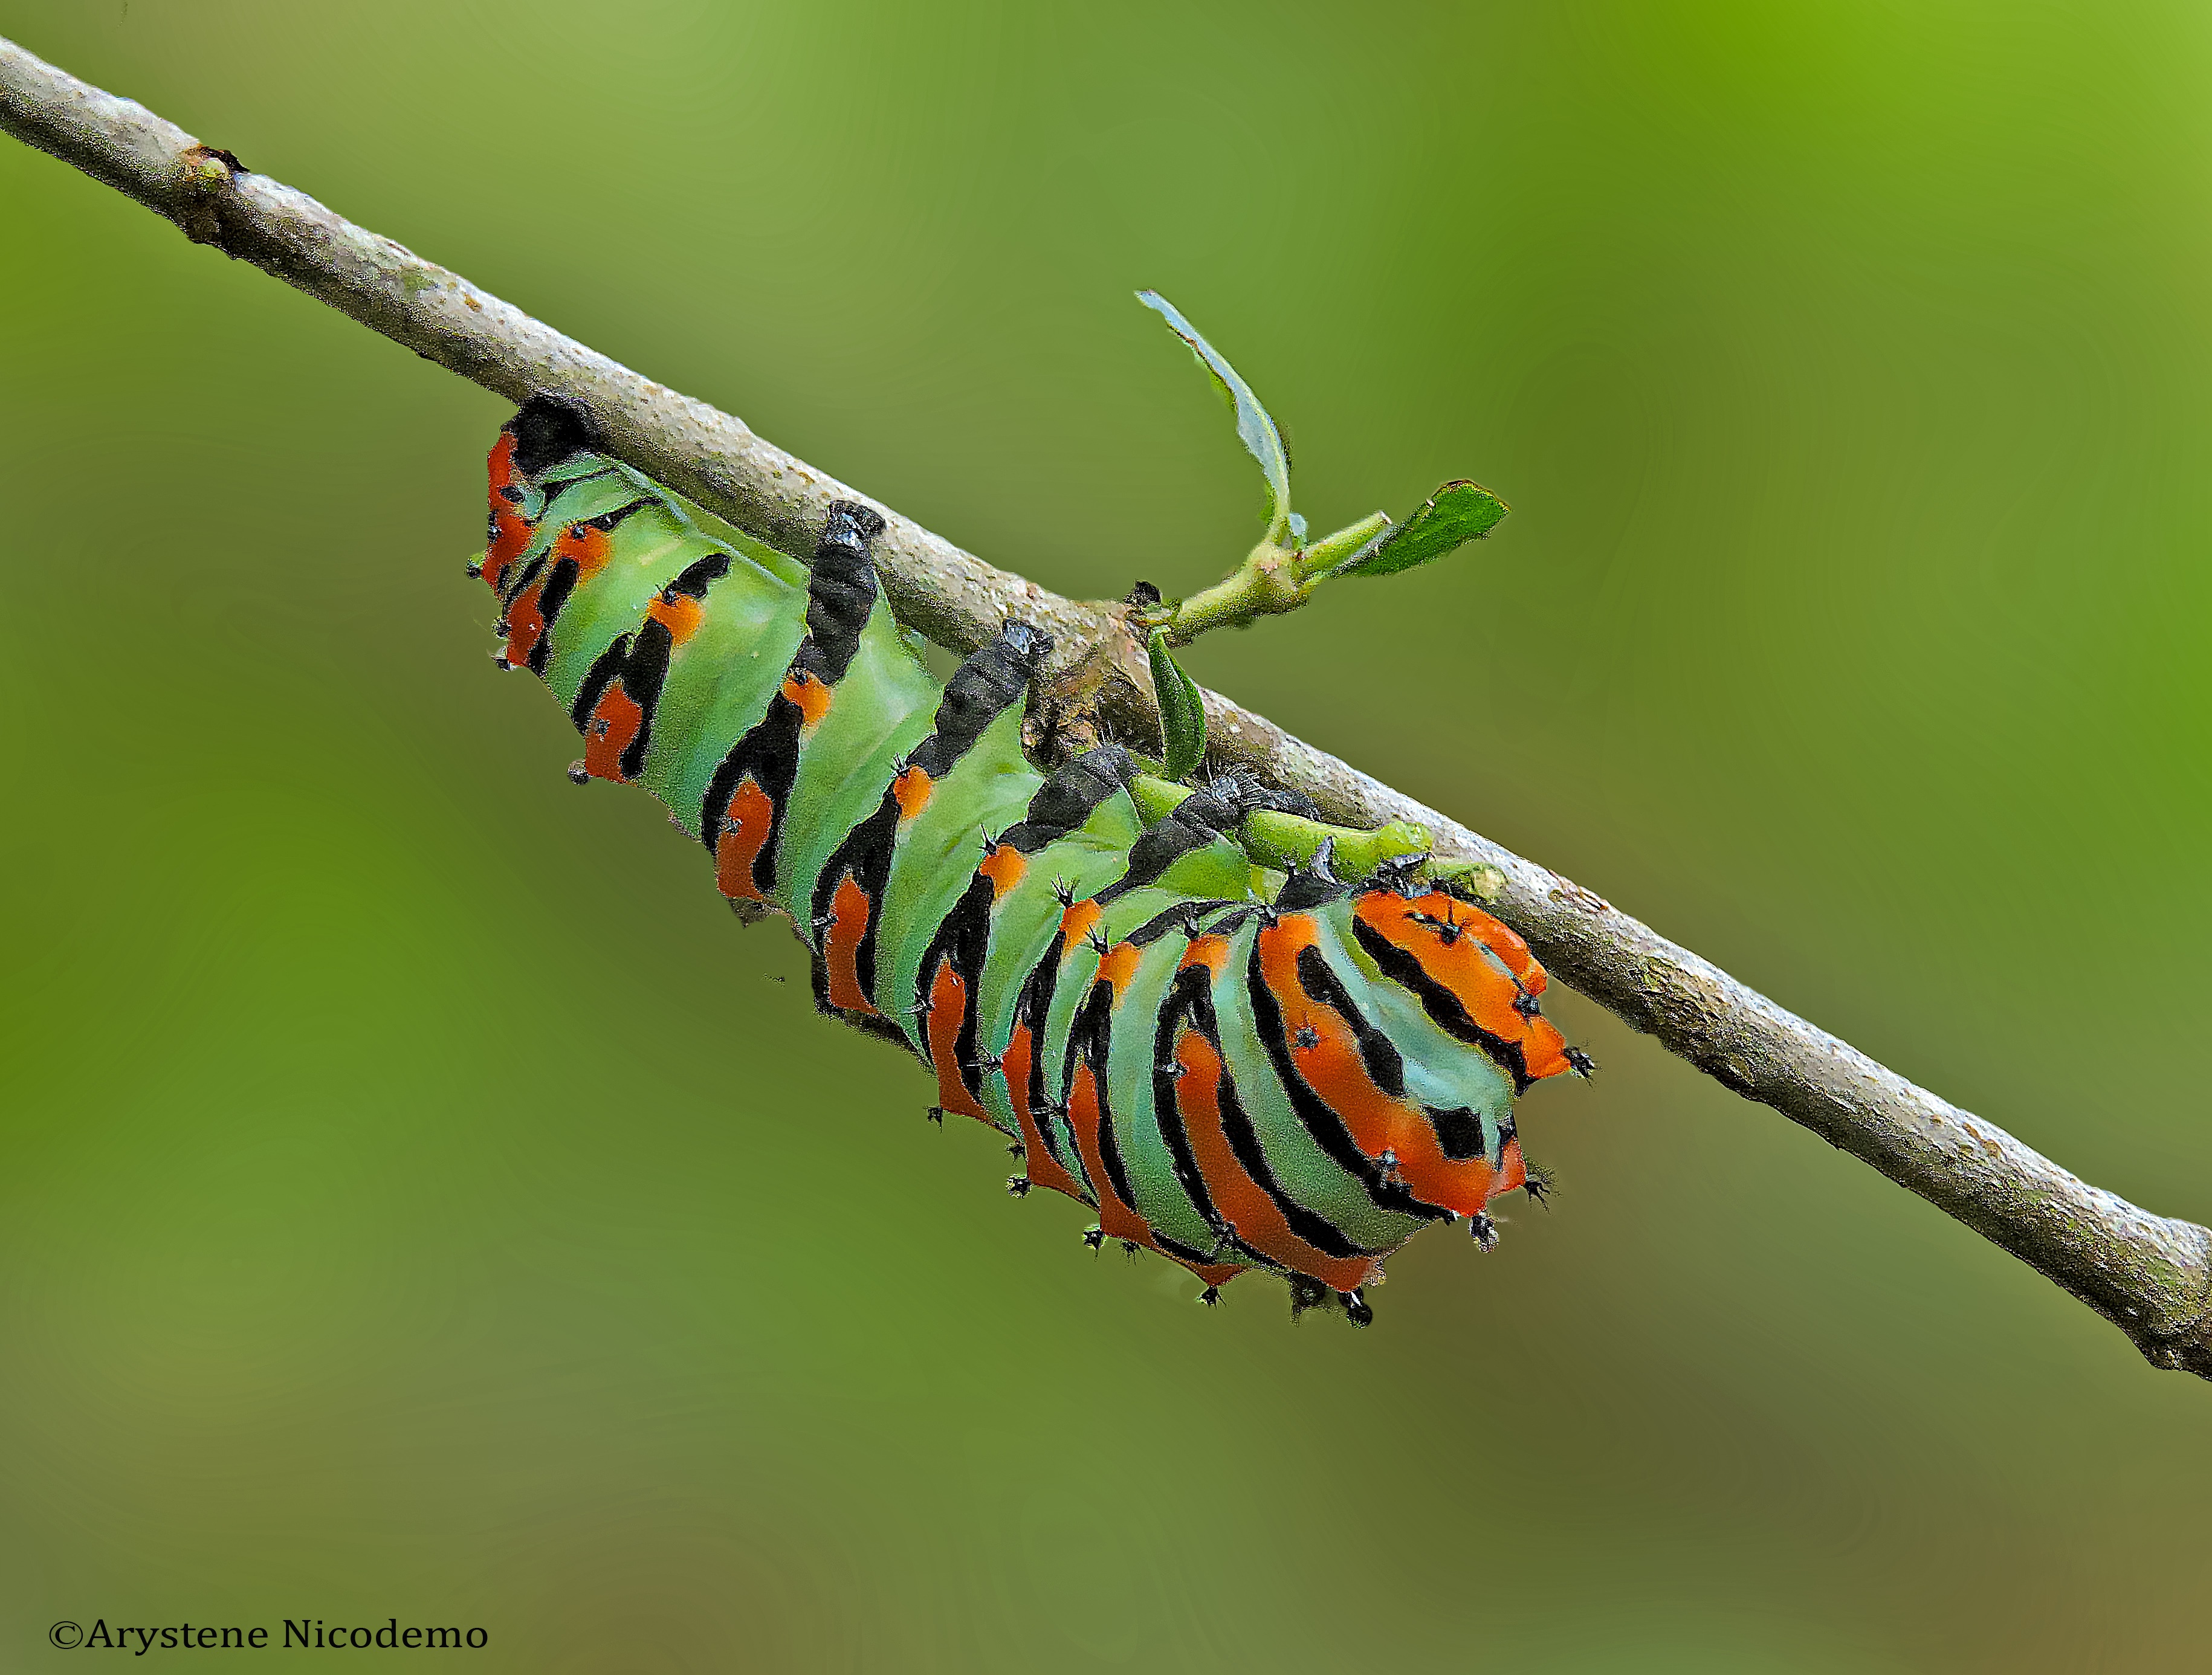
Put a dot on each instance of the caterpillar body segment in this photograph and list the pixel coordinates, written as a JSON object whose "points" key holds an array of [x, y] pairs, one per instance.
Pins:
{"points": [[1233, 1069]]}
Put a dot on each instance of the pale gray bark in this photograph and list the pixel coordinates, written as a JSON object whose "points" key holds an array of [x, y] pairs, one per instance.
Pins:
{"points": [[2149, 1275]]}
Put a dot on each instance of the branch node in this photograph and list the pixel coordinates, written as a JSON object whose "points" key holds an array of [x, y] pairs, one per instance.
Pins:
{"points": [[205, 177]]}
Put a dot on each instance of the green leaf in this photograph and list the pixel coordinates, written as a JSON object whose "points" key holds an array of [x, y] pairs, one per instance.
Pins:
{"points": [[1457, 513], [1253, 428], [1183, 714]]}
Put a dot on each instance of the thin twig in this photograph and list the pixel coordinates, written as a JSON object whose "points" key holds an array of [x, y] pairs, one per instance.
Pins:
{"points": [[2148, 1275]]}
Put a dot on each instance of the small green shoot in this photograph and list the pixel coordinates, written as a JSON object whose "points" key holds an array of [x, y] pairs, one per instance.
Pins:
{"points": [[1281, 572]]}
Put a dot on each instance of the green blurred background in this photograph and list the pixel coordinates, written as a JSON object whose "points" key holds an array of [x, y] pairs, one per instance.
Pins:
{"points": [[421, 1199]]}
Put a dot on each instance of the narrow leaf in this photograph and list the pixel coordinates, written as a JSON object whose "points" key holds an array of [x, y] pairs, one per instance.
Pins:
{"points": [[1253, 428], [1183, 714], [1457, 513]]}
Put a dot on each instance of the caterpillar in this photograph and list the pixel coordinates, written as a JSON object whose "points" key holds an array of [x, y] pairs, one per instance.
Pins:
{"points": [[1237, 1069]]}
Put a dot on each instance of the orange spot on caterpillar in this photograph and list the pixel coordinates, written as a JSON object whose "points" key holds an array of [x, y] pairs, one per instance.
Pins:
{"points": [[747, 819], [1216, 1274], [1005, 866], [1116, 1219], [1512, 1172], [1118, 965], [614, 723], [948, 1009], [1044, 1169], [588, 544], [849, 912], [912, 789], [810, 697], [1207, 953], [1545, 1051], [526, 623], [510, 532], [681, 615], [1075, 925]]}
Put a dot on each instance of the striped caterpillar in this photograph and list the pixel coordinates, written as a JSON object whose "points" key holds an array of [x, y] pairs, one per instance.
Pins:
{"points": [[1237, 1068]]}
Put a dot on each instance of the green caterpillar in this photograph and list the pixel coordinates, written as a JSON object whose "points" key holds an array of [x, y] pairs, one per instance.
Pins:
{"points": [[1237, 1069]]}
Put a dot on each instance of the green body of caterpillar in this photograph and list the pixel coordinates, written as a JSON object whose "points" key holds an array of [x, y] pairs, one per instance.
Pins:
{"points": [[1235, 1068]]}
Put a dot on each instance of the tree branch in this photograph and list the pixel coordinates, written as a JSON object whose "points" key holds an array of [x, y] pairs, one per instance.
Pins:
{"points": [[2149, 1275]]}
